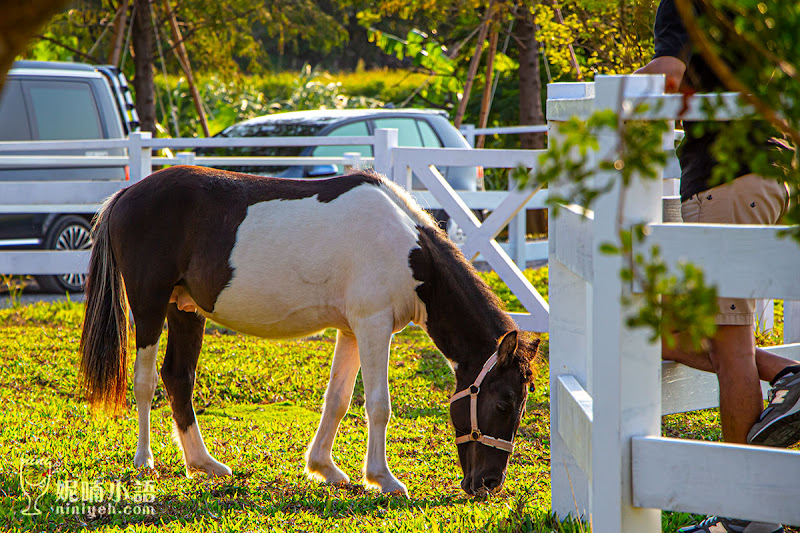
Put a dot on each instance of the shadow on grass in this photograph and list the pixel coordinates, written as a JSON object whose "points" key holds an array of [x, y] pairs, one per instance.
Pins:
{"points": [[433, 367], [214, 501]]}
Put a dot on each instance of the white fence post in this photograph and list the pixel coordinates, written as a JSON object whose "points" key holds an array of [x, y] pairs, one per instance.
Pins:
{"points": [[791, 321], [517, 234], [570, 338], [468, 131], [185, 158], [140, 154], [765, 315], [385, 142], [626, 369], [353, 161]]}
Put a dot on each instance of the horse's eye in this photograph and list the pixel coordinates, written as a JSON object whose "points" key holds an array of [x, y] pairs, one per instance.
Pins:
{"points": [[503, 408]]}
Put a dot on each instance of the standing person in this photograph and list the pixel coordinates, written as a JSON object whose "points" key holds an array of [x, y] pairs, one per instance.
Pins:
{"points": [[747, 199]]}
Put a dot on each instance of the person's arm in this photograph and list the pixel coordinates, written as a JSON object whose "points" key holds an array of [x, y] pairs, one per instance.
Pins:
{"points": [[672, 68], [672, 47]]}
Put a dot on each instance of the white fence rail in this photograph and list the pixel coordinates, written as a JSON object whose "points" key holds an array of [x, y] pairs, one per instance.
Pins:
{"points": [[470, 132], [87, 196], [609, 388]]}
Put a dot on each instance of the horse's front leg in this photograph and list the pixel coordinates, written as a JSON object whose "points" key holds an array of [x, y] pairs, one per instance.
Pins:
{"points": [[184, 341], [374, 336], [344, 369]]}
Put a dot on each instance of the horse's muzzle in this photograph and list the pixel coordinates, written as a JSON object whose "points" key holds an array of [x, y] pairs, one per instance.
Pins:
{"points": [[482, 486]]}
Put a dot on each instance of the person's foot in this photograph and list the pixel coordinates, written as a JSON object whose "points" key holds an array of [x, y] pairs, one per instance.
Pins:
{"points": [[718, 524], [779, 424]]}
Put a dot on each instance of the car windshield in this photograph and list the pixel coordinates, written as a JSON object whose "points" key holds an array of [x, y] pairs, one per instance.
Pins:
{"points": [[282, 128]]}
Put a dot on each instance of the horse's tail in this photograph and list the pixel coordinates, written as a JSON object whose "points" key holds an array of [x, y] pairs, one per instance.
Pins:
{"points": [[104, 341]]}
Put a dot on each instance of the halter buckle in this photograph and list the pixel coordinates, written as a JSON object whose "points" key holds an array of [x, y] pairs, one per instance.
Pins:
{"points": [[474, 389], [475, 435]]}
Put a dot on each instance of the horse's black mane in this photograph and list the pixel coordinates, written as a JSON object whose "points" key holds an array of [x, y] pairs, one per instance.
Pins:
{"points": [[465, 318]]}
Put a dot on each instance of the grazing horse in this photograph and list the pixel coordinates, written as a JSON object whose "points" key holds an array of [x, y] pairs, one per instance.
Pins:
{"points": [[282, 258]]}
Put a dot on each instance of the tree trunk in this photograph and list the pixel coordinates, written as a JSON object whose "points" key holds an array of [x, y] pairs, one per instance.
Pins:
{"points": [[183, 58], [530, 83], [573, 59], [473, 66], [119, 34], [19, 21], [486, 103], [530, 103], [143, 84]]}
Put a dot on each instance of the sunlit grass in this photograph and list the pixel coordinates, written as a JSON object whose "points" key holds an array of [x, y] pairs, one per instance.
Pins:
{"points": [[258, 403]]}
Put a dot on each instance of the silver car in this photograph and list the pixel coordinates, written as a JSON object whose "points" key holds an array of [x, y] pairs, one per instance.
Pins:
{"points": [[416, 128]]}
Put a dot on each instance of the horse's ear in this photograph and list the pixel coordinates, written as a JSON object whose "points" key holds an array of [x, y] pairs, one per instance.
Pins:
{"points": [[507, 347], [534, 346]]}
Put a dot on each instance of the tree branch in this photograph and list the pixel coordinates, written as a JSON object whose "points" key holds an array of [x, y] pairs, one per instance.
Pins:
{"points": [[725, 74], [725, 23], [91, 59]]}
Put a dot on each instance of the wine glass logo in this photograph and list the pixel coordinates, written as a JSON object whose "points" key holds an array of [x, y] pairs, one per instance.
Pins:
{"points": [[34, 478]]}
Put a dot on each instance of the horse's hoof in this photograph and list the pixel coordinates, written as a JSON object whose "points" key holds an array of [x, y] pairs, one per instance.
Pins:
{"points": [[398, 490], [389, 485], [143, 460], [220, 471], [329, 474], [211, 467]]}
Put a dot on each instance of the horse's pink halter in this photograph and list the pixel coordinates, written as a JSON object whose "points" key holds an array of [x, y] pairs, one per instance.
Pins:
{"points": [[472, 391]]}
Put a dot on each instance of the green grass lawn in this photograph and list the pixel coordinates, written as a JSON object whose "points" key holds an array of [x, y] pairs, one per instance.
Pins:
{"points": [[258, 404]]}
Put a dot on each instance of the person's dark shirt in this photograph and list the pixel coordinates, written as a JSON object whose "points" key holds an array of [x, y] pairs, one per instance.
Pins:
{"points": [[672, 39]]}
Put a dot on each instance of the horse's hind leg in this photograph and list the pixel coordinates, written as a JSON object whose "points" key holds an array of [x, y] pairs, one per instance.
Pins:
{"points": [[184, 341], [344, 369], [145, 377]]}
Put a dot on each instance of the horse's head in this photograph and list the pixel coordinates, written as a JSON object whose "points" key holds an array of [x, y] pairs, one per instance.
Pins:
{"points": [[486, 412]]}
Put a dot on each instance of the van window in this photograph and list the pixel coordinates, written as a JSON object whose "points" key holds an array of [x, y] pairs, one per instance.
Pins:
{"points": [[429, 137], [353, 129], [13, 120], [64, 110]]}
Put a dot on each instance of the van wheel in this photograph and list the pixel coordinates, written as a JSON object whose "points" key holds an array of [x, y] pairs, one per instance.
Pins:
{"points": [[68, 233]]}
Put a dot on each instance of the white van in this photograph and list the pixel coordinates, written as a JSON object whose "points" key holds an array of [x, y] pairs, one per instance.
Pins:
{"points": [[44, 100]]}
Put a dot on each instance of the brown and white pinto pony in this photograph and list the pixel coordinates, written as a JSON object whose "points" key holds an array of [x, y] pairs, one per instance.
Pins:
{"points": [[284, 258]]}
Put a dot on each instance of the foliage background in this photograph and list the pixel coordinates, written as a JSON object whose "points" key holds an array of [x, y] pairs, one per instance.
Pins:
{"points": [[241, 48]]}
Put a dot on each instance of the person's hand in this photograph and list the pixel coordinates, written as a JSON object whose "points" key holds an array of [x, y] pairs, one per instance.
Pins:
{"points": [[672, 67]]}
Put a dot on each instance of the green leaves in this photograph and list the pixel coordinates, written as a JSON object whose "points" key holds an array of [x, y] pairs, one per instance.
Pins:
{"points": [[674, 305], [670, 303], [568, 160]]}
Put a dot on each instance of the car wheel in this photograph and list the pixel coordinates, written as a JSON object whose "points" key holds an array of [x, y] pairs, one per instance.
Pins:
{"points": [[455, 233], [67, 233]]}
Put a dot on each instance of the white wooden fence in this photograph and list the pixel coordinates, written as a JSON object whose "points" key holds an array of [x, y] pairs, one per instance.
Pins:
{"points": [[86, 196], [481, 236], [609, 388]]}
